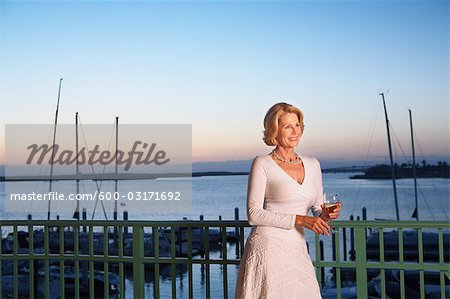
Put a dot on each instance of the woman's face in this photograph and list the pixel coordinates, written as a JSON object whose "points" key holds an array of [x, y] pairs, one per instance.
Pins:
{"points": [[289, 130]]}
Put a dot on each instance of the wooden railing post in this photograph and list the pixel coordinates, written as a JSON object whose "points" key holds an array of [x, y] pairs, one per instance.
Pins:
{"points": [[138, 265]]}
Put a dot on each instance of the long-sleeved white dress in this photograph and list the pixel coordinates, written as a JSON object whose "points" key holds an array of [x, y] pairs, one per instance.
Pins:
{"points": [[275, 262]]}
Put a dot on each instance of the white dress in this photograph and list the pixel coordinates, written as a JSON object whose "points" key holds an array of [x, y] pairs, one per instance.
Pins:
{"points": [[275, 262]]}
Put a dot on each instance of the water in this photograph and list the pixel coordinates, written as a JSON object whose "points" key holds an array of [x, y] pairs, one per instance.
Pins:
{"points": [[219, 195]]}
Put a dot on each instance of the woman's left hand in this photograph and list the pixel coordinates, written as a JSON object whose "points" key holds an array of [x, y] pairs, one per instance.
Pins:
{"points": [[331, 215]]}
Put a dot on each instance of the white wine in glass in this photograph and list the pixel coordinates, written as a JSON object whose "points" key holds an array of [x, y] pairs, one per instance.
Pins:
{"points": [[330, 202]]}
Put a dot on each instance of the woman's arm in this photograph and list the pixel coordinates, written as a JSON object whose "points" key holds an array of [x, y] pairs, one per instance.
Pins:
{"points": [[317, 206], [256, 213]]}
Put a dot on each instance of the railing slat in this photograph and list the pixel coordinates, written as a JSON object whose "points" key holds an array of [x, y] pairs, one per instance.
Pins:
{"points": [[421, 273], [173, 256], [62, 285], [361, 261], [224, 262], [155, 232], [441, 261], [383, 274], [318, 258], [138, 266], [401, 261], [76, 251], [121, 266], [190, 272], [46, 261], [105, 263], [208, 281], [91, 262], [32, 287], [338, 259], [15, 263]]}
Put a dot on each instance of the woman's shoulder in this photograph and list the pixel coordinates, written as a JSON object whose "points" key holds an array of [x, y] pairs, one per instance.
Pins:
{"points": [[262, 160], [262, 157]]}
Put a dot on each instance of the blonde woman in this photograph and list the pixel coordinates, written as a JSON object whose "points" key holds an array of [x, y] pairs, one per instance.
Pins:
{"points": [[282, 187]]}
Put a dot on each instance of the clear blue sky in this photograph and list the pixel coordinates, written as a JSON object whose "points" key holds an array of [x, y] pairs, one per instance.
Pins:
{"points": [[220, 65]]}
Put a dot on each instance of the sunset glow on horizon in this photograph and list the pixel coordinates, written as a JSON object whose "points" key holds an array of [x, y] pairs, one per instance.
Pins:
{"points": [[219, 66]]}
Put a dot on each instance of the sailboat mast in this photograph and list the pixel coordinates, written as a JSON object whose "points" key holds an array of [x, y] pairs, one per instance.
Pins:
{"points": [[414, 166], [115, 181], [391, 157], [77, 211], [53, 148]]}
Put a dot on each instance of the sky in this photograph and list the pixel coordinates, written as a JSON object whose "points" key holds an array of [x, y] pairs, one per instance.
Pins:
{"points": [[220, 65]]}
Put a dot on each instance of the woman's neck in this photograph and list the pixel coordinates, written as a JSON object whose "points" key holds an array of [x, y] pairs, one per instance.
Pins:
{"points": [[286, 153]]}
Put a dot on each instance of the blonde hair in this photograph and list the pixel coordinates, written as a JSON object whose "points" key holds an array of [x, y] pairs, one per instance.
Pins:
{"points": [[271, 121]]}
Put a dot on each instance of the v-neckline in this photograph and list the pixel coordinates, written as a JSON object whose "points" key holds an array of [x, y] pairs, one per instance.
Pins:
{"points": [[282, 170]]}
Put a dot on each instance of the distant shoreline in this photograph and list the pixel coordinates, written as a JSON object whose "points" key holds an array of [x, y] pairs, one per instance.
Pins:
{"points": [[146, 176], [112, 176], [377, 172], [405, 171]]}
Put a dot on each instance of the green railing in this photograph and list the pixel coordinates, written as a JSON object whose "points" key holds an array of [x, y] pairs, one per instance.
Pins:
{"points": [[136, 258], [93, 249], [362, 264]]}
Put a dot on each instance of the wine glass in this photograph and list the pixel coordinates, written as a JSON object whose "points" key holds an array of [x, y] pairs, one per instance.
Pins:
{"points": [[331, 202]]}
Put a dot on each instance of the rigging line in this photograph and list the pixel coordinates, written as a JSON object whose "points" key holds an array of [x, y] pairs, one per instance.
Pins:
{"points": [[396, 153], [41, 183], [405, 129], [101, 182], [96, 201], [427, 203], [421, 191], [428, 206], [92, 168], [408, 162], [441, 202], [404, 155], [369, 142], [399, 144], [375, 118]]}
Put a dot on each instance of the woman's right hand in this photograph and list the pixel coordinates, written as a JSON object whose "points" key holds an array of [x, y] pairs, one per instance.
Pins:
{"points": [[316, 224]]}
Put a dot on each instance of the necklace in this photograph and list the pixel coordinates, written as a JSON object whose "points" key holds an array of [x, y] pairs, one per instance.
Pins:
{"points": [[278, 157]]}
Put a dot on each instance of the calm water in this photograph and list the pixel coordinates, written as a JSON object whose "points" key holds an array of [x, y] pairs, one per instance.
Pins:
{"points": [[214, 196]]}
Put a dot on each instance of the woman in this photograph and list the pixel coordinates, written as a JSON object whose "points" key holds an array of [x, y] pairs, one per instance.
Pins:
{"points": [[282, 188]]}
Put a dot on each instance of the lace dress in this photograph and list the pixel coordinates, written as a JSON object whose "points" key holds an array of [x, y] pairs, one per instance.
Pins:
{"points": [[275, 262]]}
